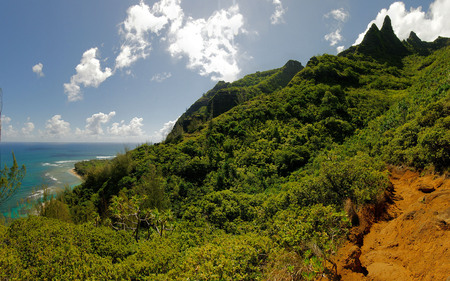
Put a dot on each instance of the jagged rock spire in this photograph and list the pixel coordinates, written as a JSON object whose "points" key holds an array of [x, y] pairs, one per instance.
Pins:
{"points": [[383, 45], [387, 26]]}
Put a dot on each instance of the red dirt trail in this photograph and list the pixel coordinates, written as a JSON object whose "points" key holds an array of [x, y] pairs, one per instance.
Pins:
{"points": [[411, 240]]}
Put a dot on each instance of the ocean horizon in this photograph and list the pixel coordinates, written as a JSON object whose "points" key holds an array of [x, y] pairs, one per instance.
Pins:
{"points": [[48, 166]]}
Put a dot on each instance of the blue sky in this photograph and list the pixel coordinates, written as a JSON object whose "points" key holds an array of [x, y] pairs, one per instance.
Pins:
{"points": [[124, 71]]}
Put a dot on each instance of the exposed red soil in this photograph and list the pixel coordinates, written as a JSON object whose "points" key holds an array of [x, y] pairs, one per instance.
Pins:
{"points": [[408, 240]]}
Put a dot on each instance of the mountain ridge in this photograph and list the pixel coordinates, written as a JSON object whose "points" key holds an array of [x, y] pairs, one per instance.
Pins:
{"points": [[224, 96], [380, 44], [384, 45]]}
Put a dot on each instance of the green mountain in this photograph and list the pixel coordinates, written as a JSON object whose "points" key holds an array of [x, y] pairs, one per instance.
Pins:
{"points": [[260, 179], [224, 96], [384, 46]]}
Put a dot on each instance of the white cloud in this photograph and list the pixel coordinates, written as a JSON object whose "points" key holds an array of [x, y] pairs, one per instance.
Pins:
{"points": [[38, 69], [134, 128], [277, 16], [334, 37], [340, 49], [89, 74], [170, 9], [164, 131], [57, 127], [340, 16], [6, 120], [209, 43], [159, 77], [95, 122], [140, 23], [28, 128], [9, 131], [428, 26]]}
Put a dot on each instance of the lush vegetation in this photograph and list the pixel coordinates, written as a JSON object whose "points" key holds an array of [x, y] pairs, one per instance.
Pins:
{"points": [[264, 190], [10, 179], [84, 167]]}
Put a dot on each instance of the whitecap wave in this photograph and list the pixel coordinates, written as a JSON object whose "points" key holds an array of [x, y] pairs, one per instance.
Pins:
{"points": [[51, 191], [48, 175], [37, 194], [66, 161], [50, 165]]}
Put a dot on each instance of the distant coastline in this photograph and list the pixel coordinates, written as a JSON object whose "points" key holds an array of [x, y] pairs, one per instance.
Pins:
{"points": [[50, 165]]}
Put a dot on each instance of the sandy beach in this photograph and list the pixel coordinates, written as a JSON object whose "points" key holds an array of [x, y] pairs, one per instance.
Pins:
{"points": [[73, 172]]}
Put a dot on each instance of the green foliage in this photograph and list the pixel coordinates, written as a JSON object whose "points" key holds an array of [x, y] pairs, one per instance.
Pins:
{"points": [[56, 209], [254, 180], [10, 179], [50, 249], [152, 261], [358, 178], [132, 214], [82, 168], [313, 233], [226, 258]]}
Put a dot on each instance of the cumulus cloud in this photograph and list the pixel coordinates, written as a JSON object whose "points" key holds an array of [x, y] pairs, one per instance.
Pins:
{"points": [[277, 16], [89, 74], [9, 129], [95, 122], [11, 132], [135, 30], [339, 17], [159, 77], [6, 120], [209, 43], [334, 37], [28, 128], [171, 10], [428, 26], [134, 128], [57, 127], [38, 69]]}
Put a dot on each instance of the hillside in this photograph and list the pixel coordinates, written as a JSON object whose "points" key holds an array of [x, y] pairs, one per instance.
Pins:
{"points": [[224, 96], [260, 179]]}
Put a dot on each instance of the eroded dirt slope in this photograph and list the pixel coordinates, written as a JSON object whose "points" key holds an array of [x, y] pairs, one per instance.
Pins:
{"points": [[411, 241]]}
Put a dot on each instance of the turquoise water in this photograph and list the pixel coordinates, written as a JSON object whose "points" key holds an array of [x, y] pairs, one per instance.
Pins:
{"points": [[48, 165]]}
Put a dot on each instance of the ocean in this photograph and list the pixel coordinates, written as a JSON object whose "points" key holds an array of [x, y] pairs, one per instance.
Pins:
{"points": [[48, 165]]}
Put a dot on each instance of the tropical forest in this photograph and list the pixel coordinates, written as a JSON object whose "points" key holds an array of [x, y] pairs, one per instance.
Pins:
{"points": [[268, 177]]}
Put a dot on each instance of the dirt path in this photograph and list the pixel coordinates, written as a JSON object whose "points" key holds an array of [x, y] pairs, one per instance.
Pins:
{"points": [[412, 242]]}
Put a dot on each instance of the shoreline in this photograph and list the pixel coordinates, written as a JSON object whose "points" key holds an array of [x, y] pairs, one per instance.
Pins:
{"points": [[73, 172]]}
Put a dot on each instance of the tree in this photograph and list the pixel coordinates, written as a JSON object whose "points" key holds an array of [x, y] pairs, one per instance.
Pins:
{"points": [[10, 180], [129, 214]]}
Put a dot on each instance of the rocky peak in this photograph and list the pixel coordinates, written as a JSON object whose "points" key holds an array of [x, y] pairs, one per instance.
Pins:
{"points": [[382, 45]]}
